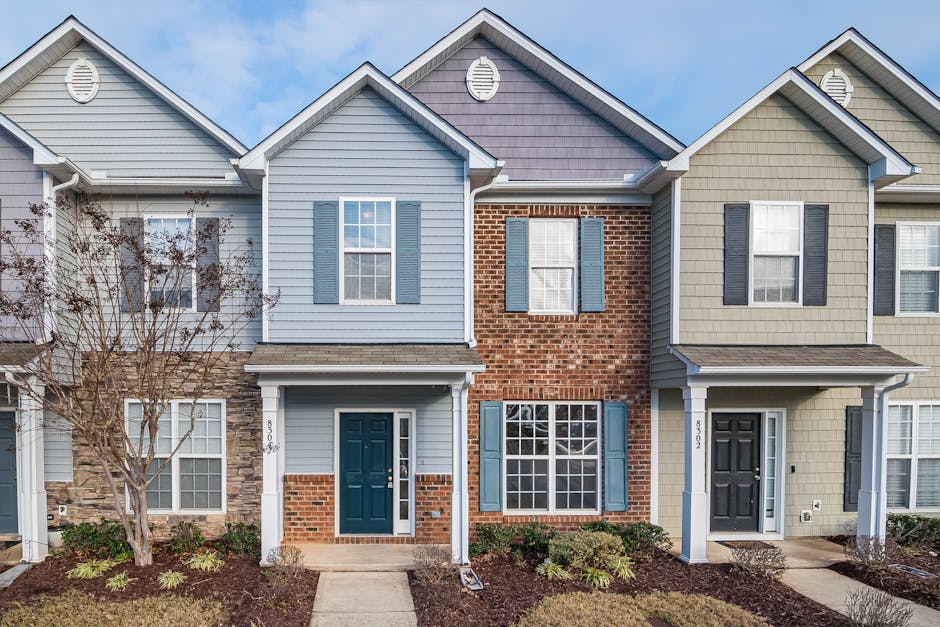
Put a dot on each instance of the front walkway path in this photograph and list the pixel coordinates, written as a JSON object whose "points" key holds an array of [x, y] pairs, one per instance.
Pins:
{"points": [[353, 599]]}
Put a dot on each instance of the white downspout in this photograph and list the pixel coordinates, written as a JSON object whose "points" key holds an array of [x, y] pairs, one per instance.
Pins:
{"points": [[49, 245], [468, 258]]}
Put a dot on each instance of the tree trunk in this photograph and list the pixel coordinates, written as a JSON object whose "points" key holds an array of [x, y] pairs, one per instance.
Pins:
{"points": [[141, 539]]}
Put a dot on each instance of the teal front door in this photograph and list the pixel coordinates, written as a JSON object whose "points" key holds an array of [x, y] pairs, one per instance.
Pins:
{"points": [[8, 521], [365, 473]]}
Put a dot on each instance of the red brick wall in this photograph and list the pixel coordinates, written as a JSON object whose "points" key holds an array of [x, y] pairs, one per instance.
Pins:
{"points": [[309, 511], [589, 356]]}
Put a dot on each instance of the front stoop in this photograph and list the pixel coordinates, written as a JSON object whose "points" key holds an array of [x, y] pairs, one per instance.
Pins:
{"points": [[352, 599], [358, 557]]}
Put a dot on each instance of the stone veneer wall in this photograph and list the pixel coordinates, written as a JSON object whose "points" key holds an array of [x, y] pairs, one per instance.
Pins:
{"points": [[89, 499], [589, 356]]}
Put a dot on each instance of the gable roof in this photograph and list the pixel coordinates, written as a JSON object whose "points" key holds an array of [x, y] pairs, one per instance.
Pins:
{"points": [[367, 75], [886, 165], [885, 71], [66, 36], [548, 66]]}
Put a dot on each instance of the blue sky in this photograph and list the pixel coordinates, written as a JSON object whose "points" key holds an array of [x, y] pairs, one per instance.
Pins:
{"points": [[684, 64]]}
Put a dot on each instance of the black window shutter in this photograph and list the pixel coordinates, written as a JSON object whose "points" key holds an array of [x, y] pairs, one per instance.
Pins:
{"points": [[884, 270], [207, 265], [815, 253], [736, 253], [132, 275], [853, 458]]}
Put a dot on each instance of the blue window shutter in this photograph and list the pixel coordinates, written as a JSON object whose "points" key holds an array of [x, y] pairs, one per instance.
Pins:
{"points": [[326, 252], [491, 456], [408, 252], [592, 264], [132, 277], [615, 457], [517, 264], [207, 265]]}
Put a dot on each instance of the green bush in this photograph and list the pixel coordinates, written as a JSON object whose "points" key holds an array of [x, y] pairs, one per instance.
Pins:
{"points": [[104, 539], [207, 560], [241, 539], [585, 549], [492, 538], [908, 529], [185, 538], [641, 540], [534, 537]]}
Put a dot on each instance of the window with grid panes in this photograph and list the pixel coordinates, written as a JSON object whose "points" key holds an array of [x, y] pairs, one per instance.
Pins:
{"points": [[367, 250], [918, 267], [913, 479]]}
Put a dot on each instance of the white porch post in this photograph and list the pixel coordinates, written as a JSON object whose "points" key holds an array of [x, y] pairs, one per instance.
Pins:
{"points": [[694, 499], [458, 476], [872, 494], [272, 452], [32, 478]]}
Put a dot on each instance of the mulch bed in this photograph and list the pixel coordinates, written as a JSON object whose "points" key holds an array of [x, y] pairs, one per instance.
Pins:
{"points": [[240, 586], [511, 589], [896, 582]]}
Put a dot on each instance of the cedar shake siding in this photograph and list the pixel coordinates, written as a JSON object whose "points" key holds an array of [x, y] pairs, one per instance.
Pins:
{"points": [[538, 130], [892, 121], [775, 152]]}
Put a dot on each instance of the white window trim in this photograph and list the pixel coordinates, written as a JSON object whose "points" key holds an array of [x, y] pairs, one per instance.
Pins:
{"points": [[897, 274], [343, 250], [574, 274], [913, 457], [174, 462], [195, 282], [750, 254], [551, 510]]}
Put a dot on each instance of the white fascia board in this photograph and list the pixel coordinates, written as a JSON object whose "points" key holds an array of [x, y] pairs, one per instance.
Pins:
{"points": [[549, 67], [908, 193], [370, 368], [72, 29], [811, 370]]}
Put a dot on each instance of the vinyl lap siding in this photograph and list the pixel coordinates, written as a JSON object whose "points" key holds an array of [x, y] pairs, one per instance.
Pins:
{"points": [[539, 131], [366, 148], [309, 415], [665, 369], [891, 120], [774, 153], [126, 130]]}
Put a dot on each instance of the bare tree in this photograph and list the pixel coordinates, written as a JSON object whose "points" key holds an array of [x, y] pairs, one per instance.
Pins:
{"points": [[125, 309]]}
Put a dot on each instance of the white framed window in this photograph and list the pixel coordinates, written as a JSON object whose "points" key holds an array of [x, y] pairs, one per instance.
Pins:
{"points": [[776, 258], [914, 456], [170, 284], [551, 457], [194, 481], [553, 258], [367, 252], [918, 263]]}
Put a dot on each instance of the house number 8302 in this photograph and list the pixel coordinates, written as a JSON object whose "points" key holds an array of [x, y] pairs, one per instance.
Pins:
{"points": [[698, 434]]}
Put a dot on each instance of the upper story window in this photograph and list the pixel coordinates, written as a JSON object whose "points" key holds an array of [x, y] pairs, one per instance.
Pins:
{"points": [[172, 280], [914, 456], [918, 267], [553, 261], [367, 250], [776, 252]]}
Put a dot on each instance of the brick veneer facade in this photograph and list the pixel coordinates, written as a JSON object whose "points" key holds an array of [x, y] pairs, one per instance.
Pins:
{"points": [[589, 356], [89, 499], [310, 509]]}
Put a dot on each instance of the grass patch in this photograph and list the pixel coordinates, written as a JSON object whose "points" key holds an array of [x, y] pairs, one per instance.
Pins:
{"points": [[77, 609]]}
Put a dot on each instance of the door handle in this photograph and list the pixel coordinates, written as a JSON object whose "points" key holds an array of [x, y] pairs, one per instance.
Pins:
{"points": [[756, 477]]}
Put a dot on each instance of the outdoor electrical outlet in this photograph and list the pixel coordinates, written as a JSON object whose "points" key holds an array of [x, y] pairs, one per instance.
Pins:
{"points": [[63, 510], [817, 505], [806, 516]]}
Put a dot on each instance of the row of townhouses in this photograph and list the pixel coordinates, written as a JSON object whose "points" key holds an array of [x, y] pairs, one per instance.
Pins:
{"points": [[532, 302]]}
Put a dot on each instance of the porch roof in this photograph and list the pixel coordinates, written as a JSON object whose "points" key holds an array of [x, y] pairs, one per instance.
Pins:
{"points": [[352, 358], [16, 353]]}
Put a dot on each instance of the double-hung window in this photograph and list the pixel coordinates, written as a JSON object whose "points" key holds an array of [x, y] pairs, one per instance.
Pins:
{"points": [[172, 276], [368, 250], [919, 267], [776, 252], [552, 265], [914, 456], [194, 480], [552, 462]]}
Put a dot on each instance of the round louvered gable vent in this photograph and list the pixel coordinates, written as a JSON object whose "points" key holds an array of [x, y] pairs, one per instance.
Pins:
{"points": [[482, 79], [82, 80], [837, 86]]}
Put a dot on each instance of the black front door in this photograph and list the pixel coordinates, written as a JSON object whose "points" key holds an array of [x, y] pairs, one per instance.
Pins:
{"points": [[735, 481], [8, 519], [365, 471]]}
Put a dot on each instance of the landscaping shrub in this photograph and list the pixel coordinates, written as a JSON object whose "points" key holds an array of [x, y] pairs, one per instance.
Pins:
{"points": [[492, 538], [185, 538], [585, 549], [170, 579], [207, 560], [550, 570], [432, 562], [640, 540], [119, 582], [534, 537], [870, 553], [104, 539], [874, 608], [287, 568], [90, 569], [908, 529], [77, 609], [763, 561], [241, 539]]}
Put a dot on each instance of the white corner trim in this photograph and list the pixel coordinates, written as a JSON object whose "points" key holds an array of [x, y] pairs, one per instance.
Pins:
{"points": [[654, 456], [468, 329], [265, 252], [870, 307], [675, 262]]}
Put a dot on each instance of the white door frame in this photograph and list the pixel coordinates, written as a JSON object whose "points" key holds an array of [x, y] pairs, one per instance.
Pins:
{"points": [[777, 533]]}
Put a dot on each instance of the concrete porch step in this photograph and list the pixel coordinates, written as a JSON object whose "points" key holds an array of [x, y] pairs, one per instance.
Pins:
{"points": [[358, 557]]}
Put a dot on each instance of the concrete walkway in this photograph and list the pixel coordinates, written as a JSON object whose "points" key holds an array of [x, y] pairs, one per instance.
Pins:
{"points": [[353, 599]]}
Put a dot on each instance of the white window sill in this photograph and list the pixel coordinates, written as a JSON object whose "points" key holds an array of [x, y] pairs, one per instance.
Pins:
{"points": [[552, 313], [917, 314], [367, 303], [542, 512], [775, 305]]}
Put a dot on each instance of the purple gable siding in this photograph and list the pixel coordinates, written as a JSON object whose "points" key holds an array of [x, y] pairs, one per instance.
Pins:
{"points": [[539, 131]]}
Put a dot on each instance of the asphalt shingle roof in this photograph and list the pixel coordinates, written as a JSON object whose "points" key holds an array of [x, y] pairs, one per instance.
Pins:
{"points": [[364, 355], [843, 356]]}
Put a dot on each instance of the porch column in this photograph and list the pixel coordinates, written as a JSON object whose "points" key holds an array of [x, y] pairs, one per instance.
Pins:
{"points": [[34, 531], [272, 452], [694, 499], [872, 494], [458, 520]]}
